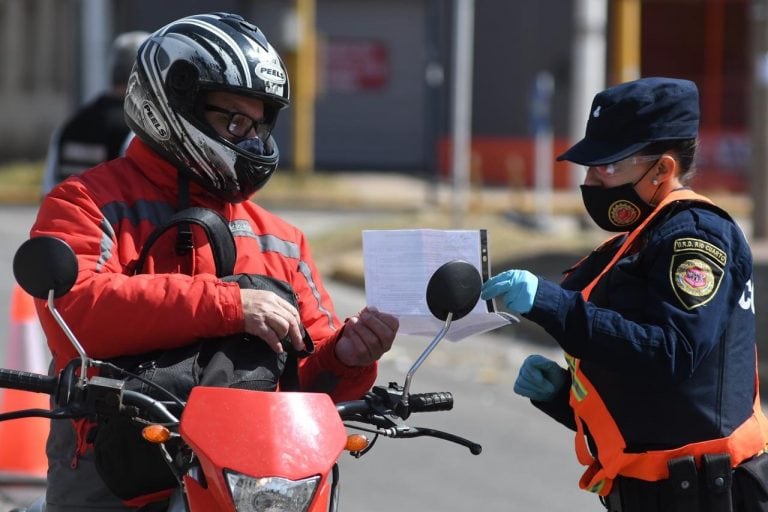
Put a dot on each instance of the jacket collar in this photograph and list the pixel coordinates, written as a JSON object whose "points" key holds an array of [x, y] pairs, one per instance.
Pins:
{"points": [[164, 175]]}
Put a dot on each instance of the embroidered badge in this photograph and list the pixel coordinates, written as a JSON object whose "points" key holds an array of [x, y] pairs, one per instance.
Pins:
{"points": [[695, 271], [695, 277], [623, 213]]}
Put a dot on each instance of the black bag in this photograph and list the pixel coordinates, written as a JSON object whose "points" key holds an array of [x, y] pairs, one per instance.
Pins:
{"points": [[129, 465], [750, 481]]}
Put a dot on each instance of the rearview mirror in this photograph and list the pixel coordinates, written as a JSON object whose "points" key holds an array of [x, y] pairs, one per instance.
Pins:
{"points": [[45, 263], [454, 288]]}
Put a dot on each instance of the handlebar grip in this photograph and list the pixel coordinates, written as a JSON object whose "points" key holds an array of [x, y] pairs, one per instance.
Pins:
{"points": [[431, 402], [27, 381]]}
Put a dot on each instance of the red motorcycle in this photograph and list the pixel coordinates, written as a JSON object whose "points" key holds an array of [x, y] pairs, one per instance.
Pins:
{"points": [[286, 460]]}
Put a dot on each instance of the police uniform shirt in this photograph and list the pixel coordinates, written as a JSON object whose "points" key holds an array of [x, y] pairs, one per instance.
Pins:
{"points": [[668, 336]]}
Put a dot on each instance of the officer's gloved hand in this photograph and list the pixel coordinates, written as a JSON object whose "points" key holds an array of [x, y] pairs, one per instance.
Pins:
{"points": [[540, 378], [517, 287]]}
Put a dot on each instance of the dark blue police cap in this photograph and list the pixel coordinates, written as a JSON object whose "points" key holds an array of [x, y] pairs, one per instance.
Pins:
{"points": [[630, 116]]}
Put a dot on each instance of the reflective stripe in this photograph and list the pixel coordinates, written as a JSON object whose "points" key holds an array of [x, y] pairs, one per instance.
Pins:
{"points": [[271, 243], [106, 244], [578, 389], [304, 269], [267, 243]]}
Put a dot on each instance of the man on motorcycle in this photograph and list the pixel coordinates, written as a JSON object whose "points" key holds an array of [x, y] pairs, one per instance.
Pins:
{"points": [[202, 99]]}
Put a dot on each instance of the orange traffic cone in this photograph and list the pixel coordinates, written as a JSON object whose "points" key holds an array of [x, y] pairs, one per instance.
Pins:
{"points": [[22, 441]]}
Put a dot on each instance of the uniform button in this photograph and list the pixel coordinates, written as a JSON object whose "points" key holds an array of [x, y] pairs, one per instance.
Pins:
{"points": [[685, 484], [719, 481]]}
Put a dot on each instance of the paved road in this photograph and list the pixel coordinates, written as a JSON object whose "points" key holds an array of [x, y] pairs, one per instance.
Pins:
{"points": [[527, 461]]}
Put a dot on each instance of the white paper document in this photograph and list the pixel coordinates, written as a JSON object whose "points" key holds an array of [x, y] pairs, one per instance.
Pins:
{"points": [[399, 264]]}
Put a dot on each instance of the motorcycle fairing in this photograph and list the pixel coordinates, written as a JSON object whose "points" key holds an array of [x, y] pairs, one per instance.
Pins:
{"points": [[285, 434]]}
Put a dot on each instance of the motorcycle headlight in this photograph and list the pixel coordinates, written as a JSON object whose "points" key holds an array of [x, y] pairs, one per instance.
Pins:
{"points": [[270, 494]]}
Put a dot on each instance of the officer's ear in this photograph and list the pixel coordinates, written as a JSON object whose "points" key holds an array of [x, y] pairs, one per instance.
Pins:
{"points": [[667, 167]]}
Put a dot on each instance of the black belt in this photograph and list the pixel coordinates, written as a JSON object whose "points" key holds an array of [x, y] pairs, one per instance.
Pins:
{"points": [[686, 489]]}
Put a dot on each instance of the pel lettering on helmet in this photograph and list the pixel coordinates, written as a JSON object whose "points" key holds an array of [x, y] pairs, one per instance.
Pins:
{"points": [[156, 124], [270, 73]]}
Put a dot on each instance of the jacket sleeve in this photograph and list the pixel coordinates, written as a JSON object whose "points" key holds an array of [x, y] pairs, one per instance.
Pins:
{"points": [[113, 313], [323, 372], [559, 407], [669, 305]]}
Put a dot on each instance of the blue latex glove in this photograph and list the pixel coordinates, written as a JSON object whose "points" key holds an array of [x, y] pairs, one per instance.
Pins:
{"points": [[540, 378], [517, 287]]}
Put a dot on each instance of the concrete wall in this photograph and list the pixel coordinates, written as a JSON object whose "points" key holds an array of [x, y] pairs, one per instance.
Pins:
{"points": [[36, 56]]}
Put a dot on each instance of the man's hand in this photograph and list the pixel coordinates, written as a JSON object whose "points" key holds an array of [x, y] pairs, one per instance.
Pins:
{"points": [[517, 288], [366, 337], [271, 318]]}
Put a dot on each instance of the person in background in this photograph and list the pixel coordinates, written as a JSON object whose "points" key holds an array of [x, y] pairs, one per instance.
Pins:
{"points": [[97, 132], [202, 99], [657, 324]]}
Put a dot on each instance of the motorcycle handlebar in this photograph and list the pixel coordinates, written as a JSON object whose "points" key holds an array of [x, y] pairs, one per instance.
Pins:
{"points": [[27, 381], [150, 405], [418, 402], [431, 402]]}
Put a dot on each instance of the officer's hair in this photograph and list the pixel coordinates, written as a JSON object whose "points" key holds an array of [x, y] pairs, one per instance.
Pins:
{"points": [[684, 151]]}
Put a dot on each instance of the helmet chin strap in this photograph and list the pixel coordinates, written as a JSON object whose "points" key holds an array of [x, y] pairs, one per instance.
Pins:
{"points": [[184, 232]]}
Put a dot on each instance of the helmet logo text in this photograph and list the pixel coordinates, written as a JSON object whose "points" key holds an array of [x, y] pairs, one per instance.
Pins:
{"points": [[270, 73], [154, 120]]}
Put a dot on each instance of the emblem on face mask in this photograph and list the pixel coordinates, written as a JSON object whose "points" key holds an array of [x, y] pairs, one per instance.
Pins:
{"points": [[623, 213], [695, 271], [596, 113]]}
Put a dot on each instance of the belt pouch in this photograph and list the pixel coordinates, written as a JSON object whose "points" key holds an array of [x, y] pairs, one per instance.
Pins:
{"points": [[717, 477], [684, 484]]}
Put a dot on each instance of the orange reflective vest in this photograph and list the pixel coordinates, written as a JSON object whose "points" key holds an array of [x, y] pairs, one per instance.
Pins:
{"points": [[747, 440]]}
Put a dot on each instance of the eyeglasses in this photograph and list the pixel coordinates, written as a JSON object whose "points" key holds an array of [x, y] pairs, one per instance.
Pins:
{"points": [[240, 125], [623, 165]]}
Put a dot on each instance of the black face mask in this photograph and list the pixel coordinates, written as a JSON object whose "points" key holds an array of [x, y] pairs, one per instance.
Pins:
{"points": [[615, 209], [618, 208]]}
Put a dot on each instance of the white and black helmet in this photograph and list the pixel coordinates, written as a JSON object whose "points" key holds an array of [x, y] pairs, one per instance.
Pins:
{"points": [[174, 69]]}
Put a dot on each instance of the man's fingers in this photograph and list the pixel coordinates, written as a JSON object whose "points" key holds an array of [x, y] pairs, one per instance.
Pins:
{"points": [[272, 318]]}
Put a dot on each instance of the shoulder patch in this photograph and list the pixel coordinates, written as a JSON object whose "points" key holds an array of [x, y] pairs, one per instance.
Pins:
{"points": [[696, 245], [695, 278]]}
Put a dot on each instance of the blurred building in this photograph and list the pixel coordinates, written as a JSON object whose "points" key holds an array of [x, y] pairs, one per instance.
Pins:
{"points": [[384, 70]]}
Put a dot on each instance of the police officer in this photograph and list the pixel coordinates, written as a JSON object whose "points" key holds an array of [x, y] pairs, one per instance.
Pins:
{"points": [[657, 324], [97, 132]]}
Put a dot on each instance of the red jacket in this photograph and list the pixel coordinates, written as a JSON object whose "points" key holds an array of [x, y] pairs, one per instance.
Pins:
{"points": [[106, 215]]}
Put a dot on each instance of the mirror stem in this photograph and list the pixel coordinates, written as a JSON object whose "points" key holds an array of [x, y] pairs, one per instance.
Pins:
{"points": [[64, 327], [423, 356]]}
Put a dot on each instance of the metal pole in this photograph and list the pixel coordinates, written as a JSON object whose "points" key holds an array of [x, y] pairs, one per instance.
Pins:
{"points": [[95, 38], [304, 91], [544, 89], [588, 71], [626, 40], [464, 22]]}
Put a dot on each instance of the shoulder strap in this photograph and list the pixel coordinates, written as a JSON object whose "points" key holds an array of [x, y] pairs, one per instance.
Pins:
{"points": [[672, 197], [215, 227]]}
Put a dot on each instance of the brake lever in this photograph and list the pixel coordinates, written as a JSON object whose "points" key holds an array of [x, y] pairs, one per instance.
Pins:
{"points": [[473, 447]]}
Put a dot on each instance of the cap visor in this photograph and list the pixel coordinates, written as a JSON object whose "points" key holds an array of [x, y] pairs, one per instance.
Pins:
{"points": [[589, 153]]}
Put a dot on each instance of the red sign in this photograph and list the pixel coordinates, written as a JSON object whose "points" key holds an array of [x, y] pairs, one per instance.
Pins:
{"points": [[356, 65]]}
